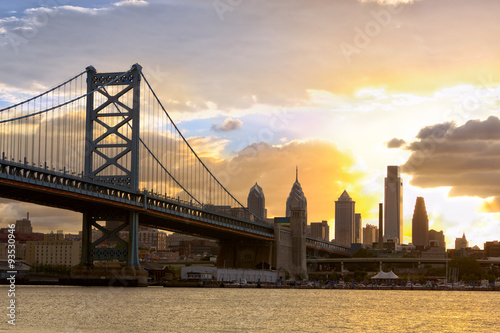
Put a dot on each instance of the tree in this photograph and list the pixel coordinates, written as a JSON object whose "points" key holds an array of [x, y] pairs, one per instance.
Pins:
{"points": [[467, 268], [362, 253]]}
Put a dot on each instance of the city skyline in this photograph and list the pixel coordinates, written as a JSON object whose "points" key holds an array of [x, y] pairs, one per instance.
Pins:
{"points": [[343, 96]]}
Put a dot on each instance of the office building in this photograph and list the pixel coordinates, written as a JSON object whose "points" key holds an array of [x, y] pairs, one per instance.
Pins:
{"points": [[296, 197], [420, 225], [256, 202], [358, 234], [370, 235], [393, 205], [320, 230], [152, 239], [344, 219], [492, 249], [24, 226], [461, 243]]}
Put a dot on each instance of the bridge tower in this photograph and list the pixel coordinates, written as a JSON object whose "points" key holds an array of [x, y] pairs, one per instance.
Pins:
{"points": [[112, 158]]}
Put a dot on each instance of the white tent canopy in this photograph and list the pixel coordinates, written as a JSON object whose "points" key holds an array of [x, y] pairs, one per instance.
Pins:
{"points": [[386, 276]]}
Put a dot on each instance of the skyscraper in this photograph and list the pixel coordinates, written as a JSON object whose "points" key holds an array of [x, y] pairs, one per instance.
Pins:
{"points": [[461, 243], [420, 225], [256, 202], [344, 219], [296, 197], [357, 228], [320, 230], [296, 210], [393, 204], [370, 235]]}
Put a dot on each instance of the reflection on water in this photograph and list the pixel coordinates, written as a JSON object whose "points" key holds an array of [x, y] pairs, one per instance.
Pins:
{"points": [[156, 309]]}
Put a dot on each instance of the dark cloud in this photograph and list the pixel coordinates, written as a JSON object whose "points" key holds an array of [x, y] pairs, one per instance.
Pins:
{"points": [[466, 157], [395, 143], [435, 131], [228, 125]]}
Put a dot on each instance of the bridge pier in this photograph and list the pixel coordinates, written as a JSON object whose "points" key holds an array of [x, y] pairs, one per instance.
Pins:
{"points": [[107, 269], [245, 254]]}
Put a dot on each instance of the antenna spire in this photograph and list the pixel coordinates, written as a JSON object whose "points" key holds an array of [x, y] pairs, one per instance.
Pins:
{"points": [[297, 173]]}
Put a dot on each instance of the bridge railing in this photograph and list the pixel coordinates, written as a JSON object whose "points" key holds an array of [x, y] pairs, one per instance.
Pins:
{"points": [[147, 200], [326, 245]]}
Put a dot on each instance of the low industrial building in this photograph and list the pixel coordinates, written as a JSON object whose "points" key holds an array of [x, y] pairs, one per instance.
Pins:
{"points": [[227, 274]]}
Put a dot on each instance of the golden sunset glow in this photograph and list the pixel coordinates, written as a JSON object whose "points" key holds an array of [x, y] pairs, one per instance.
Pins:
{"points": [[341, 89]]}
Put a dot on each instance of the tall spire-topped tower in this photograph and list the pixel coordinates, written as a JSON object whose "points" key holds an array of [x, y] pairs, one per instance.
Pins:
{"points": [[296, 197], [296, 210]]}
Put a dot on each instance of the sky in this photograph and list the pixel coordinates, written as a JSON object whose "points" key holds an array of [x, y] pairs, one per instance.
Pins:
{"points": [[341, 89]]}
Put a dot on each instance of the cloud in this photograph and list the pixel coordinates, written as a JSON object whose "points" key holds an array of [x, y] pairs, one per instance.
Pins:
{"points": [[491, 206], [435, 131], [43, 219], [294, 47], [325, 172], [395, 143], [228, 125], [389, 2], [464, 157]]}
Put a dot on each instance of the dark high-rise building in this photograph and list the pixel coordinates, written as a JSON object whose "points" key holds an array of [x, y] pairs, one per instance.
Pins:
{"points": [[357, 228], [420, 225], [256, 202], [393, 204], [320, 230], [344, 219]]}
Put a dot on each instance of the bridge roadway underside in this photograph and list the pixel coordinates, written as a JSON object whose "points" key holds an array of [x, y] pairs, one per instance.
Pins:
{"points": [[88, 204], [238, 248]]}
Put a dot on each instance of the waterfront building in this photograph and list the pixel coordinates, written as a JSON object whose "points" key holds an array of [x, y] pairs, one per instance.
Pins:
{"points": [[358, 234], [370, 235], [228, 275], [319, 230], [344, 219], [23, 226], [393, 204], [461, 243], [420, 225], [256, 202], [53, 249]]}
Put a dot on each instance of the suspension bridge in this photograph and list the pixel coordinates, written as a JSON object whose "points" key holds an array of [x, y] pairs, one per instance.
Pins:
{"points": [[102, 144]]}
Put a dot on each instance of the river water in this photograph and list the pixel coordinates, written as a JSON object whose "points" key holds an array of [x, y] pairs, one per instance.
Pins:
{"points": [[157, 309]]}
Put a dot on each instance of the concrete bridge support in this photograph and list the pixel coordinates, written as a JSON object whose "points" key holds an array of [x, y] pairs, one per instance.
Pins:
{"points": [[290, 244], [245, 254]]}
